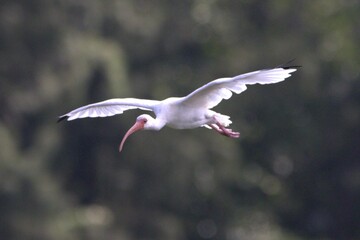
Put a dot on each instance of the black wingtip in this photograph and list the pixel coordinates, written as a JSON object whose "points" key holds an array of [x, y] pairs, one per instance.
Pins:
{"points": [[288, 66], [62, 118]]}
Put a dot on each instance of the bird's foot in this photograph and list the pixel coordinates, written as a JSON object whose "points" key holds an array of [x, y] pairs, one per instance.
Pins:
{"points": [[225, 131]]}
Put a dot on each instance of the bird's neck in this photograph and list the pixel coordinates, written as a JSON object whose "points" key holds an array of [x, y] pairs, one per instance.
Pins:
{"points": [[157, 124]]}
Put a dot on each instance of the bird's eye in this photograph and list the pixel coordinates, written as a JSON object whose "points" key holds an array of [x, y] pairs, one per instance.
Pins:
{"points": [[145, 120]]}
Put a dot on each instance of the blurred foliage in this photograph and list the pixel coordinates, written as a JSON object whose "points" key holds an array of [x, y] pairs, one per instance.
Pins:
{"points": [[293, 174]]}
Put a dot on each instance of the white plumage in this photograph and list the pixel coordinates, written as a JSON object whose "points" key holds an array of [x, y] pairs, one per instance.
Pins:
{"points": [[190, 111]]}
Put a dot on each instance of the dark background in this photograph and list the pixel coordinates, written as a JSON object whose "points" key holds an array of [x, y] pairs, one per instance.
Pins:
{"points": [[294, 173]]}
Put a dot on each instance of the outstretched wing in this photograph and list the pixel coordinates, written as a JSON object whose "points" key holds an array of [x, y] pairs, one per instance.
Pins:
{"points": [[212, 93], [109, 108]]}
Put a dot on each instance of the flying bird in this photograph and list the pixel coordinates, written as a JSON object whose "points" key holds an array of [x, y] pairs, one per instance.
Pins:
{"points": [[191, 111]]}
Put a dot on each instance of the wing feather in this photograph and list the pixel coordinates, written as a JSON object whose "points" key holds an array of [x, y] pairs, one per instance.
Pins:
{"points": [[109, 108], [212, 93]]}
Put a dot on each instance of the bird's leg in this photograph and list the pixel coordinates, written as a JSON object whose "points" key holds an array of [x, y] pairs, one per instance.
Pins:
{"points": [[224, 131]]}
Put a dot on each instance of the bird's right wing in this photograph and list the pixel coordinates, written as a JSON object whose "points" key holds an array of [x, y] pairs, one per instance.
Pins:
{"points": [[109, 108], [212, 93]]}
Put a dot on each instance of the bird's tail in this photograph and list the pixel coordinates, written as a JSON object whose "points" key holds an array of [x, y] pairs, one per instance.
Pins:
{"points": [[222, 119]]}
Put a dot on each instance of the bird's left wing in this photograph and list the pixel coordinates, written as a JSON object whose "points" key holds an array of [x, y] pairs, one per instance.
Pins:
{"points": [[109, 108], [212, 93]]}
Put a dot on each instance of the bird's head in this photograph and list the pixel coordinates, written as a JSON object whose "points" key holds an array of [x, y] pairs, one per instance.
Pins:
{"points": [[143, 122]]}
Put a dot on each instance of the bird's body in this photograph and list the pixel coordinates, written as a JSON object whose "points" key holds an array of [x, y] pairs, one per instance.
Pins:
{"points": [[169, 110], [191, 111]]}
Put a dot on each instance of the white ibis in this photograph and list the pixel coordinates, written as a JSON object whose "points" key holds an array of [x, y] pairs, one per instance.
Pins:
{"points": [[191, 111]]}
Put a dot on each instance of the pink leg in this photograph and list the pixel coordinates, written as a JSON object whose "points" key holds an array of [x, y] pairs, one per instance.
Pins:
{"points": [[224, 131]]}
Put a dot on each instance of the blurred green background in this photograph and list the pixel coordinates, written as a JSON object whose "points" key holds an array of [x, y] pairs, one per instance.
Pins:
{"points": [[294, 173]]}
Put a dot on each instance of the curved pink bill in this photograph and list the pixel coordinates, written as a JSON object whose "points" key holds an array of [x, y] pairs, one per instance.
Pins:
{"points": [[136, 127]]}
